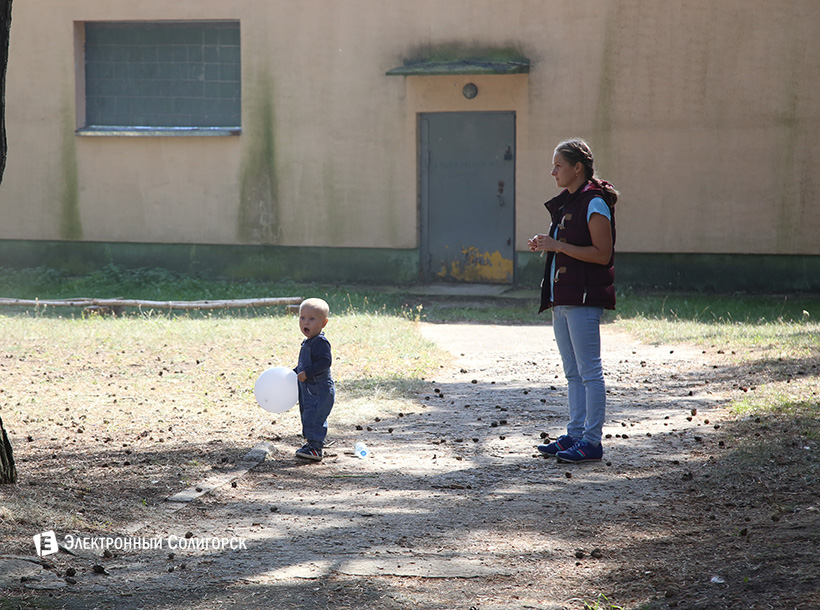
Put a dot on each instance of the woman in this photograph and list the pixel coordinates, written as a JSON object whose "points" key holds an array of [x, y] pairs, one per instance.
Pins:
{"points": [[578, 285]]}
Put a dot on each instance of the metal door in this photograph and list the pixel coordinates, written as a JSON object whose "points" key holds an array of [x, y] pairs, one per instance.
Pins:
{"points": [[467, 196]]}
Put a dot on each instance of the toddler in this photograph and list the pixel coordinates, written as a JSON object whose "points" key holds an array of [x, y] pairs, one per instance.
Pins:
{"points": [[316, 389]]}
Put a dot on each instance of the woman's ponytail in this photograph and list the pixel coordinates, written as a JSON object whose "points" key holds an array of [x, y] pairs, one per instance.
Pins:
{"points": [[610, 194]]}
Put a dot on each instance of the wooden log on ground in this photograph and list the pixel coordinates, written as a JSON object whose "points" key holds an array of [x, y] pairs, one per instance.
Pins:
{"points": [[113, 304]]}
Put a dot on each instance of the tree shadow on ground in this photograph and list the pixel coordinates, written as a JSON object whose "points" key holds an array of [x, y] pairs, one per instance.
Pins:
{"points": [[455, 509]]}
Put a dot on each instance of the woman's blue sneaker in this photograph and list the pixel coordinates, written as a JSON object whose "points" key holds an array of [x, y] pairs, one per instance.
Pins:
{"points": [[581, 451], [561, 444]]}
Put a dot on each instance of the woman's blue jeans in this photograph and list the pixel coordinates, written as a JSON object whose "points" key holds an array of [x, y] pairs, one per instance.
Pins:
{"points": [[578, 335]]}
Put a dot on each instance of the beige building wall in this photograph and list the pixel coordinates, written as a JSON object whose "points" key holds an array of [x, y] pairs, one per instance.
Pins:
{"points": [[704, 114]]}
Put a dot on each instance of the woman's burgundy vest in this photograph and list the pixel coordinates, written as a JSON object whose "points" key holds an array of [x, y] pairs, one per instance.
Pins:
{"points": [[576, 282]]}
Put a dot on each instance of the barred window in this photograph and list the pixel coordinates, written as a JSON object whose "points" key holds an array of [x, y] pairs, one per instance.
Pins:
{"points": [[162, 75]]}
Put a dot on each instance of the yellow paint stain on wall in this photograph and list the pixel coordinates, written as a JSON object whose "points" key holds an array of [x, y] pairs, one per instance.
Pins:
{"points": [[479, 267]]}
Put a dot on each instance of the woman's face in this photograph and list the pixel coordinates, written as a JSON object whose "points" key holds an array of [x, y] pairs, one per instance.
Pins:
{"points": [[567, 176]]}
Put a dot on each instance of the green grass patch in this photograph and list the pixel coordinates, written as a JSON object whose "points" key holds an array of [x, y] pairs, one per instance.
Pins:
{"points": [[774, 340], [792, 409], [717, 308], [777, 326], [111, 281], [602, 603], [780, 339], [764, 330]]}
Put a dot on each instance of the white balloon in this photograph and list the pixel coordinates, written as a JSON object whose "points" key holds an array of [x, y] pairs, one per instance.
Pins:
{"points": [[276, 389]]}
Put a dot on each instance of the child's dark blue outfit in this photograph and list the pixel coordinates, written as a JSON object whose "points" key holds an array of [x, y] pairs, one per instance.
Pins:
{"points": [[317, 392]]}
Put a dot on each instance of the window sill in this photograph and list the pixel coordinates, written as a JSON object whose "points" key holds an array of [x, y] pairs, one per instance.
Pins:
{"points": [[159, 131]]}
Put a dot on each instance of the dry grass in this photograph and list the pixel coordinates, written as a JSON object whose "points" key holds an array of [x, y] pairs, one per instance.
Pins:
{"points": [[778, 362], [146, 405], [123, 412]]}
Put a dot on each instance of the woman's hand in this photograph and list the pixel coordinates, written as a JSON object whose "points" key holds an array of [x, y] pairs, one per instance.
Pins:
{"points": [[600, 252], [301, 376], [544, 243]]}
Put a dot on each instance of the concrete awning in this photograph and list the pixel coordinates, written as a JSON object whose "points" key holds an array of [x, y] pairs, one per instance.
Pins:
{"points": [[462, 66]]}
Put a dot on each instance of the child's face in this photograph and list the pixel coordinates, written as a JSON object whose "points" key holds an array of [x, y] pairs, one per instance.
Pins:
{"points": [[311, 321]]}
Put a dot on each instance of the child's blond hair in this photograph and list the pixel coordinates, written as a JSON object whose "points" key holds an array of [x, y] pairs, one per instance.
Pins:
{"points": [[319, 305]]}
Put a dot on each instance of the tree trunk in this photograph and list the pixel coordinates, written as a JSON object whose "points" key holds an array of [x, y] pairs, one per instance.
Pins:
{"points": [[8, 473], [5, 28]]}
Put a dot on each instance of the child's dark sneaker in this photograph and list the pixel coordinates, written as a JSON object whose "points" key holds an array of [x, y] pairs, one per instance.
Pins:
{"points": [[581, 451], [306, 452], [561, 444]]}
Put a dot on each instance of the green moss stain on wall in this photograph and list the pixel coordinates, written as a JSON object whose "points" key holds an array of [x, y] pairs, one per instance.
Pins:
{"points": [[71, 227], [464, 51], [339, 208], [258, 221], [392, 225], [790, 189], [602, 142]]}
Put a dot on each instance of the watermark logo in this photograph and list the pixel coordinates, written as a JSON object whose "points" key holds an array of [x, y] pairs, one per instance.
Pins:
{"points": [[46, 543]]}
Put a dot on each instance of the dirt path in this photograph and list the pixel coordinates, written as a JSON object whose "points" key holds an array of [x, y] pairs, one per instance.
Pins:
{"points": [[454, 509]]}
